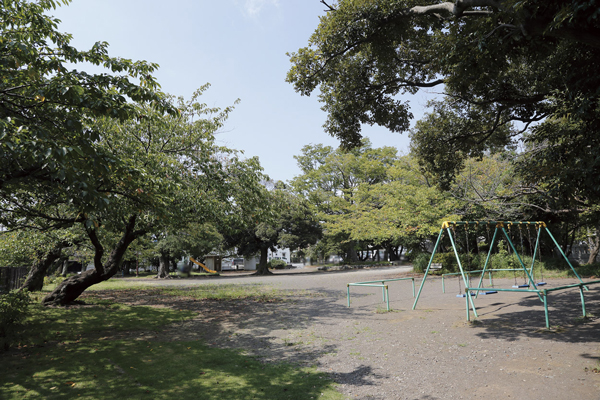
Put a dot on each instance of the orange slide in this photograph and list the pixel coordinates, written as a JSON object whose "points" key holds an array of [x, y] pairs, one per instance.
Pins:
{"points": [[203, 266]]}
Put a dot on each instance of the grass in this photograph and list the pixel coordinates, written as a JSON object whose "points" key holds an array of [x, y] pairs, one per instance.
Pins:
{"points": [[200, 292], [72, 324], [101, 351], [116, 369], [228, 292]]}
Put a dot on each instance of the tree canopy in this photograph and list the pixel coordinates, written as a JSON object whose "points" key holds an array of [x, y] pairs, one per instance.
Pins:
{"points": [[279, 219], [171, 174], [47, 106], [504, 65]]}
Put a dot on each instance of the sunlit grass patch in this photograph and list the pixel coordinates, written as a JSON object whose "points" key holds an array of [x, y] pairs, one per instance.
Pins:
{"points": [[60, 324], [140, 369], [258, 292]]}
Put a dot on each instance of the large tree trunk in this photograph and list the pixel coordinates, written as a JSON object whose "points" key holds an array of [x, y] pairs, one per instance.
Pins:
{"points": [[71, 288], [261, 268], [352, 255], [163, 267], [35, 279], [392, 253]]}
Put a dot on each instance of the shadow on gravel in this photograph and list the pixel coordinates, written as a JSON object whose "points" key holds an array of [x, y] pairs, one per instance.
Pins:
{"points": [[269, 330], [526, 318], [361, 376]]}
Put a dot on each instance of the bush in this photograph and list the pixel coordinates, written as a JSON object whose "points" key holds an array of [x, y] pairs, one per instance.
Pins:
{"points": [[448, 261], [48, 280], [588, 270], [13, 310], [276, 264], [470, 262], [419, 262]]}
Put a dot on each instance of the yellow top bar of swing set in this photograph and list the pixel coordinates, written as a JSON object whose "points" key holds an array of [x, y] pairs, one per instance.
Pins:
{"points": [[499, 224]]}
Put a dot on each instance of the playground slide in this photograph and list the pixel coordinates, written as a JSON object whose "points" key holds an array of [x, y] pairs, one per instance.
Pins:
{"points": [[203, 266]]}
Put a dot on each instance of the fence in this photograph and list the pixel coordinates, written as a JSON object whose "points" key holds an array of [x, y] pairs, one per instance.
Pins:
{"points": [[12, 278]]}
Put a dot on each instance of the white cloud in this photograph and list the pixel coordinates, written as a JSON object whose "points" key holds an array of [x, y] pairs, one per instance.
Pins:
{"points": [[253, 8]]}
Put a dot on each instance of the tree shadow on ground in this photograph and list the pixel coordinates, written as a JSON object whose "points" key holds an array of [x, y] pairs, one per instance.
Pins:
{"points": [[526, 318], [268, 330], [130, 369]]}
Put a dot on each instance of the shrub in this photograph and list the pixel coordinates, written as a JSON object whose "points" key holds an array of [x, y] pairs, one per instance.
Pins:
{"points": [[48, 280], [13, 310], [419, 262], [588, 270], [470, 262], [276, 264], [448, 261]]}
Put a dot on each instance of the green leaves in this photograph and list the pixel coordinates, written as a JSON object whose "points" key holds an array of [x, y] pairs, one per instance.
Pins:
{"points": [[48, 107]]}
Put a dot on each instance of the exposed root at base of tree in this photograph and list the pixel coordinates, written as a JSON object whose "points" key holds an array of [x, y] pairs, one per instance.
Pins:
{"points": [[263, 272]]}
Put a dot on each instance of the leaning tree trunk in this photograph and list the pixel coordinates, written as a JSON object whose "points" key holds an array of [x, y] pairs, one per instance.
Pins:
{"points": [[163, 267], [35, 279], [71, 288], [262, 268]]}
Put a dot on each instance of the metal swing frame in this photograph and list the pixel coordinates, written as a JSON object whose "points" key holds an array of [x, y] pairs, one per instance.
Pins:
{"points": [[501, 227]]}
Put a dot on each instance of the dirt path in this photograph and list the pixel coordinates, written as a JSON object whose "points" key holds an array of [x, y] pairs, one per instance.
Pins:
{"points": [[429, 353]]}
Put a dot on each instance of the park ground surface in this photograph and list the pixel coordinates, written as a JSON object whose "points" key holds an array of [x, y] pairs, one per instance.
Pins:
{"points": [[429, 353]]}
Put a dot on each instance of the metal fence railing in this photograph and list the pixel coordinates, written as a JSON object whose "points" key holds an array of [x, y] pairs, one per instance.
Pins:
{"points": [[12, 278]]}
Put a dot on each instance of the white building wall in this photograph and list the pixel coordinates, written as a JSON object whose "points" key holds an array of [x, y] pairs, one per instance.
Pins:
{"points": [[250, 263], [282, 254]]}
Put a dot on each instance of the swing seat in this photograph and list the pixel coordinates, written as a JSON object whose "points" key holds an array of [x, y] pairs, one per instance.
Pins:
{"points": [[520, 286], [464, 295], [489, 292], [540, 283]]}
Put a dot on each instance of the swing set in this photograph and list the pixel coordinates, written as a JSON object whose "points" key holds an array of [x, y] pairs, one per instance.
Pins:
{"points": [[502, 228]]}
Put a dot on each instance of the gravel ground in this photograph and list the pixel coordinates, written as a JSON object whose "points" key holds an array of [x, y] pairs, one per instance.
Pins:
{"points": [[429, 353]]}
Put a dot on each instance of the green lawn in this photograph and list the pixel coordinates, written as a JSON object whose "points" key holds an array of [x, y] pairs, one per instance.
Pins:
{"points": [[99, 352]]}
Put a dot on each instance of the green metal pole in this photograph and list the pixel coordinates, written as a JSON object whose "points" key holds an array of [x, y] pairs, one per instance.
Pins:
{"points": [[565, 257], [486, 262], [387, 297], [582, 301], [437, 243], [348, 295], [546, 309], [413, 285], [467, 306], [443, 286], [521, 262], [462, 272], [535, 249], [383, 289]]}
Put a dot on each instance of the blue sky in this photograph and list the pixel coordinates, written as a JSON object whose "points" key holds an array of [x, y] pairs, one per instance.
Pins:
{"points": [[239, 47]]}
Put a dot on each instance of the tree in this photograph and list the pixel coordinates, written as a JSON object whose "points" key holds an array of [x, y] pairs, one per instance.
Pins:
{"points": [[195, 239], [402, 212], [331, 177], [507, 61], [172, 174], [281, 219], [48, 144], [47, 107]]}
